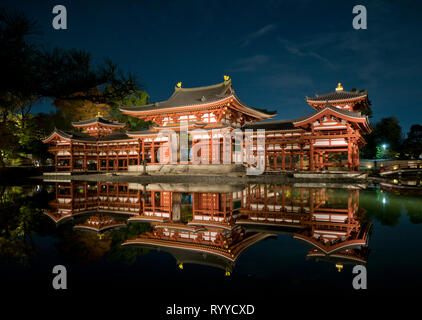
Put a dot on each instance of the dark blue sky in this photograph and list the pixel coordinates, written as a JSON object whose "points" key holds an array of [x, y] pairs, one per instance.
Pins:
{"points": [[276, 52]]}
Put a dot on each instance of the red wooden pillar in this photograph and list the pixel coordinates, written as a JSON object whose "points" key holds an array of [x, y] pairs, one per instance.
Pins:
{"points": [[301, 157], [311, 156], [152, 151], [266, 157], [85, 159], [283, 159], [357, 158], [116, 163], [210, 148], [349, 155], [71, 156], [127, 156], [349, 145], [97, 147], [321, 161], [139, 152], [326, 161]]}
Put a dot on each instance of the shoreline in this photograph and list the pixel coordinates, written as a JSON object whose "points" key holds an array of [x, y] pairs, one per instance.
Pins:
{"points": [[285, 178]]}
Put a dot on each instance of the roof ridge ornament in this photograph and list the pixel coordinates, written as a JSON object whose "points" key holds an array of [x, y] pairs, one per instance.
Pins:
{"points": [[339, 87], [99, 115], [179, 85], [226, 78]]}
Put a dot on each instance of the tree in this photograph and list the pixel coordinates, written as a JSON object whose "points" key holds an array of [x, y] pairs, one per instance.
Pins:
{"points": [[31, 74], [81, 109], [18, 79], [137, 98], [369, 150], [412, 145], [8, 142], [385, 140]]}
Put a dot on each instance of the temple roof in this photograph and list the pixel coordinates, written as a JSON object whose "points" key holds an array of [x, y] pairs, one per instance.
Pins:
{"points": [[290, 124], [189, 96], [354, 117], [338, 95], [346, 113], [74, 135], [184, 97], [80, 136], [99, 120]]}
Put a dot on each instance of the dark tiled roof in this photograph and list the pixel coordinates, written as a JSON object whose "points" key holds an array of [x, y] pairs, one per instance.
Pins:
{"points": [[335, 109], [99, 120], [189, 96], [271, 125], [192, 96], [62, 133], [75, 135], [338, 95], [289, 124], [86, 137]]}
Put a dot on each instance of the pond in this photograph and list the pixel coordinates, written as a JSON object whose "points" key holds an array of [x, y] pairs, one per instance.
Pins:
{"points": [[209, 241]]}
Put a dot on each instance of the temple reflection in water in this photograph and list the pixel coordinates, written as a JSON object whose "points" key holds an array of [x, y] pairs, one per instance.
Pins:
{"points": [[213, 225]]}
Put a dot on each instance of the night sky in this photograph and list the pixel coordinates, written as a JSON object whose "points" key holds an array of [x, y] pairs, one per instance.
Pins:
{"points": [[276, 52]]}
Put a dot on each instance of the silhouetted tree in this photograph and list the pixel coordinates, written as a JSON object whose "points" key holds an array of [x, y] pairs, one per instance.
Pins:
{"points": [[30, 74], [388, 133], [412, 145]]}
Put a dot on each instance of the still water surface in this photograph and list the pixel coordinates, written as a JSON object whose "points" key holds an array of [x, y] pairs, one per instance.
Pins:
{"points": [[209, 241]]}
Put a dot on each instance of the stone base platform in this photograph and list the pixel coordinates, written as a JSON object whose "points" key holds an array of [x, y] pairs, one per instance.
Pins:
{"points": [[234, 170], [330, 175]]}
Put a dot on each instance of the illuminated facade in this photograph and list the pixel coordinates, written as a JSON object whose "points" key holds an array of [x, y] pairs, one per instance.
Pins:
{"points": [[202, 126]]}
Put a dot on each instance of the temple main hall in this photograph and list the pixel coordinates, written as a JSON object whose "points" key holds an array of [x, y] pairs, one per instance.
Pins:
{"points": [[209, 128]]}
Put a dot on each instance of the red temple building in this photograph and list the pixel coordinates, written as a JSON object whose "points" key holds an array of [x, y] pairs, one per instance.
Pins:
{"points": [[214, 118]]}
